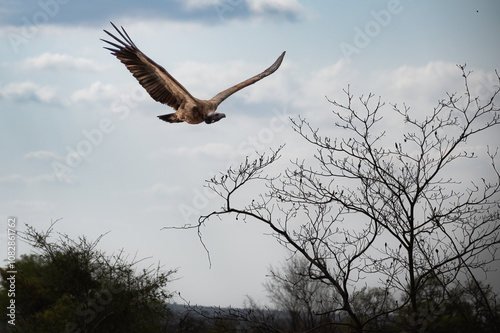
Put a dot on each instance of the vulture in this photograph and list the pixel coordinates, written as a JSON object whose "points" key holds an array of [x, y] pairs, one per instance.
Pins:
{"points": [[164, 88]]}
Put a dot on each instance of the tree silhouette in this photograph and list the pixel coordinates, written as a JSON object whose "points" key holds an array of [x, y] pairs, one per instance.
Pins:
{"points": [[71, 286], [375, 203]]}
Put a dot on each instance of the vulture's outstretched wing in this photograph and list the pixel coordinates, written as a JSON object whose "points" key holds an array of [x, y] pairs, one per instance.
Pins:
{"points": [[160, 85], [228, 92]]}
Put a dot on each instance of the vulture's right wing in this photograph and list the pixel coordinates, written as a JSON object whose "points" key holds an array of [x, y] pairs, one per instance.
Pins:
{"points": [[160, 85]]}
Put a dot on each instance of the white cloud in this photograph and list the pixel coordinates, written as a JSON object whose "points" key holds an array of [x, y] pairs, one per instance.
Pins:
{"points": [[212, 150], [29, 180], [420, 84], [195, 76], [197, 4], [29, 91], [220, 76], [95, 93], [58, 61], [255, 6], [160, 189], [217, 150], [284, 6], [308, 94], [278, 87], [11, 179], [32, 206], [159, 209], [42, 155]]}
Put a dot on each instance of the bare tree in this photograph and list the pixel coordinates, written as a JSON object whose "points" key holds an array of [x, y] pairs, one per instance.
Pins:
{"points": [[373, 205], [307, 302]]}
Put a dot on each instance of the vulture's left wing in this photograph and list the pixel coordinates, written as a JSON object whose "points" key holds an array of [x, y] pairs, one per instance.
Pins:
{"points": [[228, 92]]}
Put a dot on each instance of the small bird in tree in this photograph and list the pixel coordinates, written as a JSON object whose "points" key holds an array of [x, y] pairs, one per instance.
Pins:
{"points": [[164, 88]]}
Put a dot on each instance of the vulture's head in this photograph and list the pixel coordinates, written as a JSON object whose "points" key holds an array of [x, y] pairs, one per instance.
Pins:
{"points": [[214, 117]]}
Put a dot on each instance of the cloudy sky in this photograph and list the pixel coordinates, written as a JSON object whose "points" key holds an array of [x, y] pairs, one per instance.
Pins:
{"points": [[80, 140]]}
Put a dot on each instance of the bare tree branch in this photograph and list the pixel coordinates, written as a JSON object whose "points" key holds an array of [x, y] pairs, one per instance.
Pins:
{"points": [[371, 204]]}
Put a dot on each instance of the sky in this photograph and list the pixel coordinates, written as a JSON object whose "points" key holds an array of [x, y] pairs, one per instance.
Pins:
{"points": [[81, 143]]}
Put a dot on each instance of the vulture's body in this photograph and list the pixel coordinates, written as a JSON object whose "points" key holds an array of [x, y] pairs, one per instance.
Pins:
{"points": [[164, 88]]}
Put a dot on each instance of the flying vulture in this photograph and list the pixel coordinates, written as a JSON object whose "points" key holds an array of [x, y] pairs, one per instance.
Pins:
{"points": [[164, 88]]}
